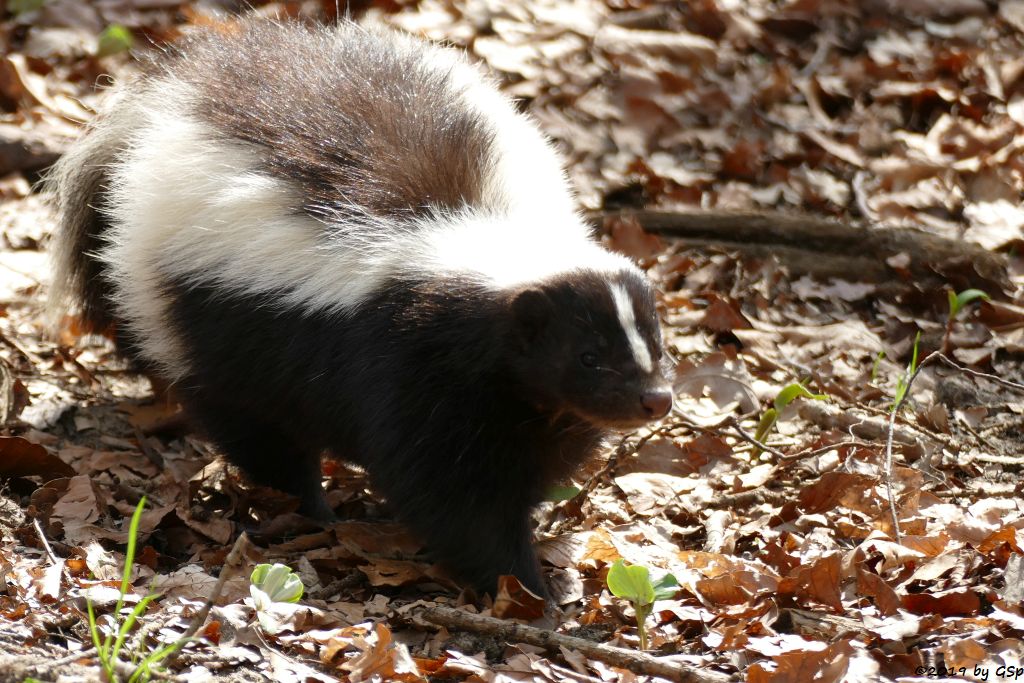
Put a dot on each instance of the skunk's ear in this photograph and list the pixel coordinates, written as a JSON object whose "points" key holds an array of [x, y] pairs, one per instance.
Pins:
{"points": [[532, 310]]}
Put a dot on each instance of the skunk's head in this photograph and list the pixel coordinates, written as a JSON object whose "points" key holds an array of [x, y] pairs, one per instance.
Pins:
{"points": [[588, 343]]}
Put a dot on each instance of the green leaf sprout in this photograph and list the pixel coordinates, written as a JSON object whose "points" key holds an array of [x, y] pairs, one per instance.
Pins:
{"points": [[633, 583]]}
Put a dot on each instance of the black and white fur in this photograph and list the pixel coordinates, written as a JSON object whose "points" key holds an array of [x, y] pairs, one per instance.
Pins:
{"points": [[347, 239]]}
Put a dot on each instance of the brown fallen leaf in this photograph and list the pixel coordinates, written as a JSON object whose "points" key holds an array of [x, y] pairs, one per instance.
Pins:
{"points": [[818, 581], [1010, 535], [875, 587], [515, 601], [22, 458], [721, 316], [381, 658], [387, 572], [831, 488], [627, 237], [833, 664], [958, 602], [725, 590]]}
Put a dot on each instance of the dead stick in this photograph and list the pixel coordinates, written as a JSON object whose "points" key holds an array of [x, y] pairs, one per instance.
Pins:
{"points": [[809, 232], [231, 563], [638, 662], [855, 422], [46, 544], [1016, 386], [749, 438]]}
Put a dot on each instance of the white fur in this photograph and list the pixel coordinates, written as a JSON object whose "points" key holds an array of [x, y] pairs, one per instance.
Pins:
{"points": [[504, 252], [82, 158], [529, 175], [189, 207], [627, 318]]}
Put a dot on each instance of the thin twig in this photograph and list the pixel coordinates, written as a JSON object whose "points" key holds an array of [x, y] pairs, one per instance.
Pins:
{"points": [[749, 438], [625, 448], [633, 660], [42, 538], [811, 452], [733, 424], [22, 351], [231, 562], [1016, 386], [74, 657]]}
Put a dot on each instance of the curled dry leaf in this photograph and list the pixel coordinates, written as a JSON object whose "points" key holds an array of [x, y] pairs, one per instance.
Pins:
{"points": [[381, 657], [514, 601]]}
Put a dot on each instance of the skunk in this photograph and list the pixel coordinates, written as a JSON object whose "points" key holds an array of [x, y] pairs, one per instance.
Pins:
{"points": [[346, 239]]}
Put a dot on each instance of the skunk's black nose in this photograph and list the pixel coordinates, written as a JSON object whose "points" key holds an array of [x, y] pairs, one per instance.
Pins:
{"points": [[657, 403]]}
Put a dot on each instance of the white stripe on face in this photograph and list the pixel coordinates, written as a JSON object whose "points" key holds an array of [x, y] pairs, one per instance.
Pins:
{"points": [[624, 308]]}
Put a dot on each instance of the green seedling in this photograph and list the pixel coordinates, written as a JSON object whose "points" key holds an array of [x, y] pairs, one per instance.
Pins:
{"points": [[108, 648], [114, 39], [633, 583], [272, 583], [903, 381], [958, 301], [874, 366], [783, 399]]}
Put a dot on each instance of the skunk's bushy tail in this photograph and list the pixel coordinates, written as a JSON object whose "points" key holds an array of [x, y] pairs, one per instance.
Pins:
{"points": [[77, 185]]}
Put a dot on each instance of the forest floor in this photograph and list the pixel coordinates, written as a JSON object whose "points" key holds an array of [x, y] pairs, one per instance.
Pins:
{"points": [[810, 183]]}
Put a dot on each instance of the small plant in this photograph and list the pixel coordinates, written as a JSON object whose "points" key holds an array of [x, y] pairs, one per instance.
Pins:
{"points": [[957, 302], [270, 583], [114, 39], [783, 399], [877, 364], [633, 583], [109, 647], [904, 380]]}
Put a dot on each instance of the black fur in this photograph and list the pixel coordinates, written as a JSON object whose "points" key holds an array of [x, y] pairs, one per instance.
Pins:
{"points": [[430, 390]]}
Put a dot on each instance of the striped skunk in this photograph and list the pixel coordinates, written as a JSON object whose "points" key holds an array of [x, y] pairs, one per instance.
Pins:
{"points": [[347, 240]]}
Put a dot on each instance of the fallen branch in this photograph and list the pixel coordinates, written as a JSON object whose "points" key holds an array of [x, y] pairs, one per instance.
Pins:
{"points": [[855, 422], [746, 499], [637, 662], [825, 247]]}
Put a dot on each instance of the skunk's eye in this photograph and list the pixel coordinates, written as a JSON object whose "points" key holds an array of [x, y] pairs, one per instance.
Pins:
{"points": [[589, 360]]}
